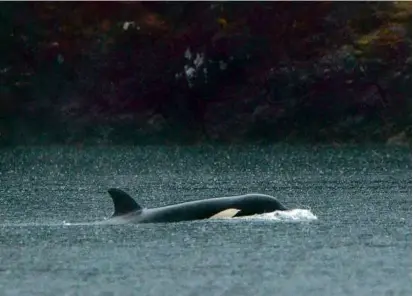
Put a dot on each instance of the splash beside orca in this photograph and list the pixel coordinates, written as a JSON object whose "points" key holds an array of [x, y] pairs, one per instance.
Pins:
{"points": [[127, 210]]}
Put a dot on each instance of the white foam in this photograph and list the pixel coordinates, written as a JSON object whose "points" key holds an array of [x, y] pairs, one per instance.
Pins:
{"points": [[294, 215], [75, 224]]}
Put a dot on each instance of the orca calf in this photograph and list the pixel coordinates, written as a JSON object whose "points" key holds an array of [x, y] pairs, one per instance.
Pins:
{"points": [[128, 211]]}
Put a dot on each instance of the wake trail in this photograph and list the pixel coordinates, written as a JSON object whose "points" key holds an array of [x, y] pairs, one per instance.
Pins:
{"points": [[294, 215]]}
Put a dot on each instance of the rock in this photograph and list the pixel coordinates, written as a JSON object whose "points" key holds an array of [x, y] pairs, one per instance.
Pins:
{"points": [[398, 139], [156, 123]]}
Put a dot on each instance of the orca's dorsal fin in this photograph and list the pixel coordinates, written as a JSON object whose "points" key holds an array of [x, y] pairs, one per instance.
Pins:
{"points": [[123, 202]]}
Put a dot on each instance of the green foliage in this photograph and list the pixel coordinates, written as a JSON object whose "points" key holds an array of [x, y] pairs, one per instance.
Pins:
{"points": [[99, 59]]}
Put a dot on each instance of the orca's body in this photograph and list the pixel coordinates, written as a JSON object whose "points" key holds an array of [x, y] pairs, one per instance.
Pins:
{"points": [[128, 211]]}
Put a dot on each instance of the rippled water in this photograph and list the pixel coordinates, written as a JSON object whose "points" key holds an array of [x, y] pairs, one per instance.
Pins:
{"points": [[348, 233]]}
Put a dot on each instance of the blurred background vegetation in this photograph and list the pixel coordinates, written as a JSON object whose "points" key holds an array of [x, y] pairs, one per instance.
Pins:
{"points": [[187, 72]]}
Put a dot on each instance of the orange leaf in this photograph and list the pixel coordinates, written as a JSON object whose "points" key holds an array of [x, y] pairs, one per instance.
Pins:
{"points": [[105, 25]]}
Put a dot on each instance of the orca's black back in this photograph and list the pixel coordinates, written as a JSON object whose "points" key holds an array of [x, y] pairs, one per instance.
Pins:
{"points": [[196, 210], [204, 209]]}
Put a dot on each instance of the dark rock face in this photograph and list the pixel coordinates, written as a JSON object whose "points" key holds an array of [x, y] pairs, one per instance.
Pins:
{"points": [[189, 72]]}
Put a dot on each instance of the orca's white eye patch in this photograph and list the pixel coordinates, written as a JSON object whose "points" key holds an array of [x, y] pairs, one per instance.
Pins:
{"points": [[228, 213]]}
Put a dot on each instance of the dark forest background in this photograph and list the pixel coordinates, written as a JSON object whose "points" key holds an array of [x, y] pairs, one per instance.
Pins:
{"points": [[188, 72]]}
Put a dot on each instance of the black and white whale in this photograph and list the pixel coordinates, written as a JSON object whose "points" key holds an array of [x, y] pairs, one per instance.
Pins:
{"points": [[128, 211]]}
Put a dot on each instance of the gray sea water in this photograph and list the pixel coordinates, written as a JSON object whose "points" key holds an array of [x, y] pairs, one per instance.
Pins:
{"points": [[349, 231]]}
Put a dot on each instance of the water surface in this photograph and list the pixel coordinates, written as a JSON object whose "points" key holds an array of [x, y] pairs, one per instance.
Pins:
{"points": [[353, 236]]}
